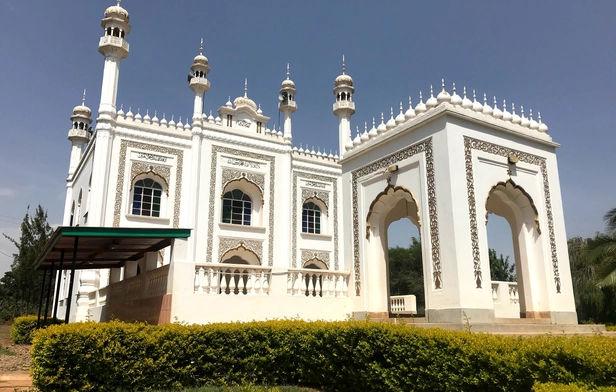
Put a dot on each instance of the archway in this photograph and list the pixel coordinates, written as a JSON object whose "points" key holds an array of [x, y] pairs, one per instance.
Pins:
{"points": [[511, 202], [236, 278], [394, 203]]}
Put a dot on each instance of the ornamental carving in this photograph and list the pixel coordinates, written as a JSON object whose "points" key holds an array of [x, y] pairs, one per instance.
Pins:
{"points": [[227, 244], [424, 147], [321, 195], [308, 255], [391, 190], [471, 144], [179, 154], [138, 168], [230, 175], [294, 221], [211, 210]]}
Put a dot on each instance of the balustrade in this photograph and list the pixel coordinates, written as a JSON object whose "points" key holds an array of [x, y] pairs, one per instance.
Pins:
{"points": [[149, 284], [321, 283], [507, 289], [232, 279], [403, 304]]}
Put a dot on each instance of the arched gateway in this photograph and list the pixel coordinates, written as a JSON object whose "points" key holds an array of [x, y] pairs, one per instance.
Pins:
{"points": [[446, 173]]}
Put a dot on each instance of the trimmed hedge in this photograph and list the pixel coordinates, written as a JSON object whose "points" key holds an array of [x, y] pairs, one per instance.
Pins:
{"points": [[336, 356], [24, 326], [551, 387]]}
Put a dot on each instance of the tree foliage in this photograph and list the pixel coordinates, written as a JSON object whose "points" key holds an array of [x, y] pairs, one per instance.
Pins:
{"points": [[500, 270], [20, 287], [406, 272]]}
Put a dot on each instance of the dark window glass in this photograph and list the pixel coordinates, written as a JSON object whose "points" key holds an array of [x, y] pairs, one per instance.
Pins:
{"points": [[236, 208], [147, 198], [311, 218]]}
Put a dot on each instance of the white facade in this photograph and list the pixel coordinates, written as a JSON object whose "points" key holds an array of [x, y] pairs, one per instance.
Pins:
{"points": [[282, 232]]}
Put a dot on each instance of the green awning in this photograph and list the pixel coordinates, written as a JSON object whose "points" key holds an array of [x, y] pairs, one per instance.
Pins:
{"points": [[104, 247]]}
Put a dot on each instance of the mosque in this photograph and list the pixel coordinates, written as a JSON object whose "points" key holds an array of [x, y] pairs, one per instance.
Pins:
{"points": [[278, 231]]}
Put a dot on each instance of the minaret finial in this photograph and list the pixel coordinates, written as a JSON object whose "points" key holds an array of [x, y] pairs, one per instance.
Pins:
{"points": [[201, 47], [119, 2], [443, 83], [83, 99], [246, 88], [288, 73], [343, 66]]}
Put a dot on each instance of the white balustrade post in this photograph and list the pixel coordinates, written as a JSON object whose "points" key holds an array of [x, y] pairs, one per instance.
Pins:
{"points": [[201, 279], [266, 277], [319, 281], [196, 283]]}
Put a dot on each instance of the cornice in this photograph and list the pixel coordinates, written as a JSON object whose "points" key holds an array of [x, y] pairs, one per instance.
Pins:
{"points": [[153, 134]]}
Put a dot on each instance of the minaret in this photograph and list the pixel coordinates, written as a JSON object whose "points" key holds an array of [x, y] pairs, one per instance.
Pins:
{"points": [[198, 82], [344, 107], [79, 133], [114, 47], [287, 103]]}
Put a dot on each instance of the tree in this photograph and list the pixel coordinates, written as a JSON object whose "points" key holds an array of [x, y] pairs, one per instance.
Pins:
{"points": [[604, 248], [500, 270], [406, 272], [23, 283]]}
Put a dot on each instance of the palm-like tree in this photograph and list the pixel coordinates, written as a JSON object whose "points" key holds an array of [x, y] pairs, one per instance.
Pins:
{"points": [[604, 249]]}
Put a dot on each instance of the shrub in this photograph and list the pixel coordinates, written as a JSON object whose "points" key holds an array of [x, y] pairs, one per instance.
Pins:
{"points": [[22, 328], [552, 387], [337, 356]]}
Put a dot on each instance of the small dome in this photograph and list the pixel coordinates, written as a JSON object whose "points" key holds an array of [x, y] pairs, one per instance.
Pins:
{"points": [[344, 80], [382, 127], [487, 109], [421, 106], [373, 132], [245, 101], [400, 117], [431, 102], [466, 103], [506, 115], [200, 59], [117, 12], [392, 122], [476, 105], [496, 113], [410, 113], [542, 127], [443, 96], [288, 83], [525, 122], [82, 110], [514, 117], [456, 100]]}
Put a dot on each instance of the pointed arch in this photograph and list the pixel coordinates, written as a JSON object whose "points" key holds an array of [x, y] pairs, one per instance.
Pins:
{"points": [[387, 199], [247, 255], [516, 195]]}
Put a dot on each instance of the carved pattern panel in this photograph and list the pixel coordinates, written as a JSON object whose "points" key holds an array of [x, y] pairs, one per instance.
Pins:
{"points": [[321, 195], [424, 147], [227, 244], [294, 221], [229, 175], [138, 168], [211, 210], [471, 144], [179, 154], [308, 255]]}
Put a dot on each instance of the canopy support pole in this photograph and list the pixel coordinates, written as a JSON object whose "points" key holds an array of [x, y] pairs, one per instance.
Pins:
{"points": [[70, 287], [58, 283], [38, 320], [49, 292]]}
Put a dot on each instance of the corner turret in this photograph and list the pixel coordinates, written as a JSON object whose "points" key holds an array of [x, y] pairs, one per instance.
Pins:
{"points": [[344, 107], [287, 104], [79, 134]]}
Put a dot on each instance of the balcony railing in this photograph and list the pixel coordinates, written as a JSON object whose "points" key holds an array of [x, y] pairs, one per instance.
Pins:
{"points": [[504, 292], [403, 304], [232, 279], [317, 283], [149, 284]]}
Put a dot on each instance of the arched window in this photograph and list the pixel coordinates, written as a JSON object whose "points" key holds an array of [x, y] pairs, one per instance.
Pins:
{"points": [[147, 195], [236, 208], [311, 218]]}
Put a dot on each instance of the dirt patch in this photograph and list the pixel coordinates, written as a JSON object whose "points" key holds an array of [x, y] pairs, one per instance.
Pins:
{"points": [[19, 357]]}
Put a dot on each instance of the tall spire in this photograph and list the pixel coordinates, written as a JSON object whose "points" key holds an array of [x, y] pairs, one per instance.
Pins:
{"points": [[83, 100], [119, 2], [343, 66], [288, 73], [246, 88], [201, 48]]}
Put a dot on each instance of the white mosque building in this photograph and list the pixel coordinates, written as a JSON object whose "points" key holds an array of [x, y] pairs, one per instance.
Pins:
{"points": [[282, 232]]}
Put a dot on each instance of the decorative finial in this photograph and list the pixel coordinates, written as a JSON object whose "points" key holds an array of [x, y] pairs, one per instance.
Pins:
{"points": [[485, 99], [288, 73], [474, 95], [246, 88], [83, 99], [201, 47], [464, 91], [443, 83], [454, 88], [343, 66], [365, 126], [119, 2]]}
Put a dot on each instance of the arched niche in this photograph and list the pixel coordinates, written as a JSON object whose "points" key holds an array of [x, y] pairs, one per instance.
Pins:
{"points": [[240, 256]]}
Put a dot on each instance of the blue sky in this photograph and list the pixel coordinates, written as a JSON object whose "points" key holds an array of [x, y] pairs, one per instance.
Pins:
{"points": [[556, 57]]}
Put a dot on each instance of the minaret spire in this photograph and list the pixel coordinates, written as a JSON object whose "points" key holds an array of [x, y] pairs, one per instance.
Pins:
{"points": [[83, 99], [287, 104], [201, 47], [245, 87], [344, 108], [343, 66], [288, 73]]}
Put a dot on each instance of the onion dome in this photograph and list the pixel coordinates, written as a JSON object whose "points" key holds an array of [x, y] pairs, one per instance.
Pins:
{"points": [[542, 127], [301, 149], [525, 122], [138, 115], [514, 117], [280, 134], [382, 127], [373, 132], [330, 156], [82, 110], [288, 83], [163, 121], [456, 100], [146, 118], [400, 117], [245, 101], [349, 145], [259, 111], [200, 59], [218, 120], [410, 113], [487, 109], [120, 112], [171, 123], [466, 103], [187, 126], [506, 115], [229, 104], [117, 12], [443, 96], [391, 123], [344, 79], [364, 136], [155, 119], [210, 118], [357, 140], [129, 114], [533, 124], [497, 112], [295, 149], [476, 105], [421, 107], [431, 102], [179, 125]]}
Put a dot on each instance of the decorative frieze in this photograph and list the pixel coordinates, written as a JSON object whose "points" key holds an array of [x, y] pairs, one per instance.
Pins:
{"points": [[138, 168], [321, 195], [179, 155], [243, 163], [308, 255], [227, 244], [424, 147], [229, 175]]}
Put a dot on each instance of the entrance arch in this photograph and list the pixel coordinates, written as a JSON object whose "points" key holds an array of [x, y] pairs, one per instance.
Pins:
{"points": [[392, 204], [510, 201]]}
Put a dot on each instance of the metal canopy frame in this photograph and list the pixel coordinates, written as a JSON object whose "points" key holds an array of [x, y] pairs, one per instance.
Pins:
{"points": [[96, 248]]}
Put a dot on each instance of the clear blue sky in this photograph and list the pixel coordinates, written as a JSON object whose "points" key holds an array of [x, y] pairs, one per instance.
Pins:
{"points": [[557, 57]]}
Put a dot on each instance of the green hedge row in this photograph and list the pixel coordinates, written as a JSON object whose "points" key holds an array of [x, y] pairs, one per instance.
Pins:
{"points": [[337, 356], [552, 387], [24, 326]]}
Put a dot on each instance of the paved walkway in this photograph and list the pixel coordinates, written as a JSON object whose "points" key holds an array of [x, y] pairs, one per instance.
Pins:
{"points": [[15, 381]]}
